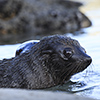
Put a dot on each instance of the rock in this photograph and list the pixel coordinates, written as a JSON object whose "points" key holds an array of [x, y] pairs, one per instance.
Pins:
{"points": [[18, 94], [22, 20]]}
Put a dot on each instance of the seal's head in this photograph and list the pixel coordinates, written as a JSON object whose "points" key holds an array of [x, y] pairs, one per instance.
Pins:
{"points": [[53, 60], [62, 56]]}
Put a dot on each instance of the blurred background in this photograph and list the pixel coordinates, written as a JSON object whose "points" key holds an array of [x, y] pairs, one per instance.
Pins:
{"points": [[30, 19], [22, 20]]}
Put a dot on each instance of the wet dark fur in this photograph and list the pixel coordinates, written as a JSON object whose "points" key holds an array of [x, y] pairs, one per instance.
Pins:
{"points": [[50, 62]]}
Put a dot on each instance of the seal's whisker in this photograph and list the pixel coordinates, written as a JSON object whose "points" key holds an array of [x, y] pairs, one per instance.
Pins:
{"points": [[92, 67], [65, 72], [80, 67], [67, 68], [68, 72], [73, 70], [89, 70]]}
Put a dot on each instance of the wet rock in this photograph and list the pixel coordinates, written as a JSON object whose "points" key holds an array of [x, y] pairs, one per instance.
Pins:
{"points": [[22, 20]]}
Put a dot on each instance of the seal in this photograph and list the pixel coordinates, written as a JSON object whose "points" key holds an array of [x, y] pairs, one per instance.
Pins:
{"points": [[48, 63]]}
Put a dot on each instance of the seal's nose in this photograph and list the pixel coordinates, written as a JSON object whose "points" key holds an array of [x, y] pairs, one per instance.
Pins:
{"points": [[86, 57], [88, 60]]}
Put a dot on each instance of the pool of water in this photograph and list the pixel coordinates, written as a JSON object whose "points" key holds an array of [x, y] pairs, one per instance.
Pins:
{"points": [[86, 83]]}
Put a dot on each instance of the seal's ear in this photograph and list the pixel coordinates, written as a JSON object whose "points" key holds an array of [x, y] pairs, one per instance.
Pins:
{"points": [[47, 51]]}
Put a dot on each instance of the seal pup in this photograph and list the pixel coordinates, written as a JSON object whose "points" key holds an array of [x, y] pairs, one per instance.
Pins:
{"points": [[48, 63]]}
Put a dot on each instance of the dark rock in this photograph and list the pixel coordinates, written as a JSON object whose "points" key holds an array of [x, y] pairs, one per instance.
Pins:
{"points": [[21, 20]]}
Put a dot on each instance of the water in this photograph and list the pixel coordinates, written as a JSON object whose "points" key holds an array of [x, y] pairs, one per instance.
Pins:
{"points": [[86, 83], [90, 78]]}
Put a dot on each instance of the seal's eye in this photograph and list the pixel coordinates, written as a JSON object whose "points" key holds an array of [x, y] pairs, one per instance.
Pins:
{"points": [[67, 52]]}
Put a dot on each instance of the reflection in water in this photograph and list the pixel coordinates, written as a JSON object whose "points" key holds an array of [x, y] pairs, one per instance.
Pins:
{"points": [[86, 83]]}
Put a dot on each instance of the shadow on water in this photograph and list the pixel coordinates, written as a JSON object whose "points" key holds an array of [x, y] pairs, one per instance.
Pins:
{"points": [[67, 87], [72, 87]]}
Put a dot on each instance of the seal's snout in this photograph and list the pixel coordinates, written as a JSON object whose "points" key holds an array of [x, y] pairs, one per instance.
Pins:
{"points": [[88, 60]]}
